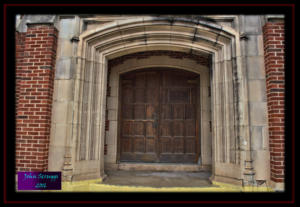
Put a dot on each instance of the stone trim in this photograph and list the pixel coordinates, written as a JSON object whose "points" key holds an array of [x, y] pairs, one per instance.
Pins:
{"points": [[203, 60], [230, 116]]}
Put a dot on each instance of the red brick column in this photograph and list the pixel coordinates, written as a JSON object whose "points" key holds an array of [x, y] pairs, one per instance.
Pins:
{"points": [[35, 64], [273, 33], [20, 38]]}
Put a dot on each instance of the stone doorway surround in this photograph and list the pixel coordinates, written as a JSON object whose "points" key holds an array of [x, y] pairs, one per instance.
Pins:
{"points": [[84, 146], [165, 60]]}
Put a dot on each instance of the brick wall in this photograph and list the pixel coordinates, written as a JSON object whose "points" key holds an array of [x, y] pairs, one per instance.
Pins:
{"points": [[35, 63], [274, 64], [20, 38]]}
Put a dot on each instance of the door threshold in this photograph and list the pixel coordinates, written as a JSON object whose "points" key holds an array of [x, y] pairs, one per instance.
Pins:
{"points": [[161, 167]]}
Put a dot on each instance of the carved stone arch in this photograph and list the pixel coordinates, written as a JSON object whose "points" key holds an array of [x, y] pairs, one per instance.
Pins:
{"points": [[228, 86]]}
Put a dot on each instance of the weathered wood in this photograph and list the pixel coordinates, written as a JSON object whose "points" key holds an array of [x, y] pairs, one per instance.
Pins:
{"points": [[158, 116]]}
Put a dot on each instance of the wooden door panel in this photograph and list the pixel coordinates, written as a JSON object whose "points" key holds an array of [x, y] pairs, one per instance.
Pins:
{"points": [[166, 111], [150, 130], [142, 110], [139, 95], [190, 128], [127, 129], [179, 95], [190, 145], [139, 111], [178, 145], [159, 117], [178, 128], [178, 111], [127, 111], [129, 95], [164, 96], [150, 145], [190, 111], [153, 80], [151, 111], [139, 128], [165, 129], [193, 95], [126, 145], [139, 145], [165, 144], [140, 80], [152, 95]]}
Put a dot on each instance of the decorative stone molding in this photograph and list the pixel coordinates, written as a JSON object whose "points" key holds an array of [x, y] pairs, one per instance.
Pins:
{"points": [[200, 59], [229, 96]]}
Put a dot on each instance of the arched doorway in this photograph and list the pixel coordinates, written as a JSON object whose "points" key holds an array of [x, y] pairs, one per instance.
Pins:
{"points": [[231, 159], [196, 73]]}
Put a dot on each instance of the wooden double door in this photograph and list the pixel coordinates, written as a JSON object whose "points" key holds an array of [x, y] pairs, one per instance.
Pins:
{"points": [[159, 116]]}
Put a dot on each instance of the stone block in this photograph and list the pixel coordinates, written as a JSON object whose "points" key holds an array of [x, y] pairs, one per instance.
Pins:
{"points": [[59, 112], [70, 113], [60, 135], [252, 24], [112, 103], [52, 133], [40, 19], [63, 68], [64, 90], [260, 45], [112, 115], [65, 48], [261, 164], [265, 137], [229, 111], [255, 67], [113, 78], [113, 130], [109, 159], [256, 137], [56, 158], [205, 115], [114, 90], [67, 28], [55, 91], [258, 114], [257, 90], [252, 46], [204, 77]]}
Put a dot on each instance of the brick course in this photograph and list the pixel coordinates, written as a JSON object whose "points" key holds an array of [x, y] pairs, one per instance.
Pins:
{"points": [[35, 63], [273, 33]]}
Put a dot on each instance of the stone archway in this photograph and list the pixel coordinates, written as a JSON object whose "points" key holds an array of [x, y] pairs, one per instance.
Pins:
{"points": [[159, 59], [230, 128]]}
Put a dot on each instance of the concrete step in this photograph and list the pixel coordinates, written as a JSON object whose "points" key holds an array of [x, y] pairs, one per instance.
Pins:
{"points": [[162, 167]]}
